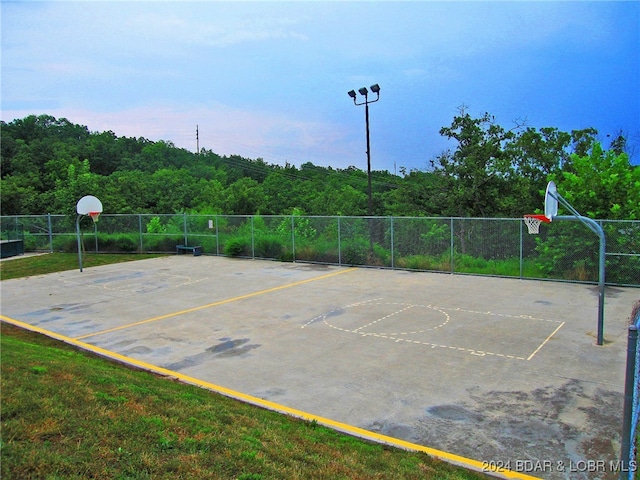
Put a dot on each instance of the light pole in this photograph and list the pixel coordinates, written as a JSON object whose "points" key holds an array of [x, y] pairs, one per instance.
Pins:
{"points": [[375, 88]]}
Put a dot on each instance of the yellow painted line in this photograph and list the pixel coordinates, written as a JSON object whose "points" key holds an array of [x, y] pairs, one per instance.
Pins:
{"points": [[215, 304], [468, 463], [545, 341]]}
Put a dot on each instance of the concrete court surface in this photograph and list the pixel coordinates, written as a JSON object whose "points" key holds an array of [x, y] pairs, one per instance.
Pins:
{"points": [[493, 369]]}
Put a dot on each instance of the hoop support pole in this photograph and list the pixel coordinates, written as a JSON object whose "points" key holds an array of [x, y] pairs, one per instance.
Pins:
{"points": [[79, 242], [597, 229]]}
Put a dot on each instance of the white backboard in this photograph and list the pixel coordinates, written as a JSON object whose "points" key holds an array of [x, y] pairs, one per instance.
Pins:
{"points": [[88, 204], [551, 201]]}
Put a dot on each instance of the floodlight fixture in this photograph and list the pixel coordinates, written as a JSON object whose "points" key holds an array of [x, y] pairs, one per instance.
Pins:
{"points": [[375, 88], [352, 94], [363, 91]]}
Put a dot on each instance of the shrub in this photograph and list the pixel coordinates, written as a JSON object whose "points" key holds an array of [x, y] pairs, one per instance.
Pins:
{"points": [[161, 243], [208, 243], [237, 247], [65, 243], [155, 226], [124, 242], [35, 242], [381, 256], [416, 262], [269, 247], [323, 251], [355, 252]]}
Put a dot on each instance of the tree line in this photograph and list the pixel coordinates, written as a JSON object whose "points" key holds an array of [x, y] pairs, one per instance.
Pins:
{"points": [[47, 164]]}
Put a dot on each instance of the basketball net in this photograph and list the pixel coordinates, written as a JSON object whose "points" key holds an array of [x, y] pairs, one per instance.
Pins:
{"points": [[533, 222], [94, 216]]}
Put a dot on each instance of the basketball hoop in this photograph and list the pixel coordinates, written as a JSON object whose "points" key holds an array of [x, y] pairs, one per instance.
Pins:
{"points": [[533, 222], [94, 216]]}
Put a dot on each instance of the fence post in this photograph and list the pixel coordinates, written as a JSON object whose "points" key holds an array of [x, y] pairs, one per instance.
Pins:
{"points": [[452, 246], [184, 226], [95, 234], [339, 244], [392, 258], [630, 402], [293, 237], [253, 241], [49, 225], [217, 237], [140, 232], [521, 250]]}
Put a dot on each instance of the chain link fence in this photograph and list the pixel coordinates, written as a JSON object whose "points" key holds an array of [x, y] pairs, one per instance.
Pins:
{"points": [[563, 251], [629, 448]]}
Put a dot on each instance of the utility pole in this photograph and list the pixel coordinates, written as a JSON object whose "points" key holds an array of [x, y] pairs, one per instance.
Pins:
{"points": [[197, 141]]}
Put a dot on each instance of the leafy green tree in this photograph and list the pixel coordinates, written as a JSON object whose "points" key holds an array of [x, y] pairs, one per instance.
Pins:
{"points": [[285, 191], [23, 164], [340, 200], [47, 163], [208, 196], [244, 197], [104, 151], [156, 156], [535, 155], [18, 196], [78, 182], [601, 185], [39, 127], [156, 226], [473, 177], [583, 140], [301, 226], [619, 143], [129, 191], [173, 191], [414, 196]]}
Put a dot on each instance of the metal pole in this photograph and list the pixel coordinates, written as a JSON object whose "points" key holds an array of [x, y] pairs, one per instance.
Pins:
{"points": [[365, 93], [629, 391], [452, 245], [366, 115], [50, 233], [217, 238], [339, 244], [293, 237], [521, 250], [140, 232], [392, 233], [597, 229], [253, 243], [184, 226], [79, 243], [369, 201], [95, 234]]}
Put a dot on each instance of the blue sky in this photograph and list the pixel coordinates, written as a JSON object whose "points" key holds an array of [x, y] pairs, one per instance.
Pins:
{"points": [[270, 79]]}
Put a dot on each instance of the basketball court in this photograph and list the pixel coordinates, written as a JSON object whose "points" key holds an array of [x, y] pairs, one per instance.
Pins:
{"points": [[491, 369]]}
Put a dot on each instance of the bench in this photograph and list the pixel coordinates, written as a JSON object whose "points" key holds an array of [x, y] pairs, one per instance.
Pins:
{"points": [[11, 248], [197, 251]]}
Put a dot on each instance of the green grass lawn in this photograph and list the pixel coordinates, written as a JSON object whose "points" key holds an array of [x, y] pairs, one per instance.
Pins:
{"points": [[67, 414], [58, 262]]}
